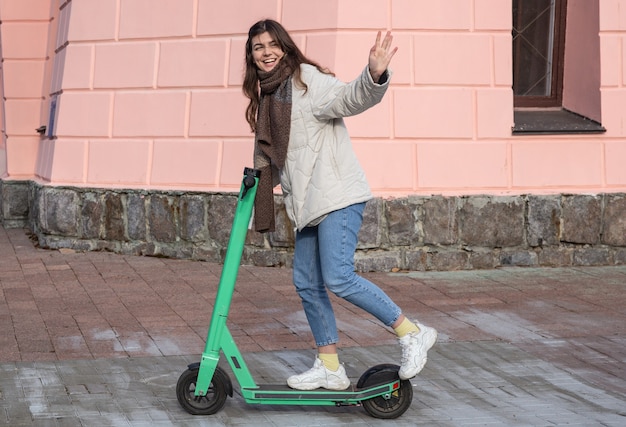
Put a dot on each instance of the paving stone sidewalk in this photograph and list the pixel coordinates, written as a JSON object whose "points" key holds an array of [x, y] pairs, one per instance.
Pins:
{"points": [[99, 339]]}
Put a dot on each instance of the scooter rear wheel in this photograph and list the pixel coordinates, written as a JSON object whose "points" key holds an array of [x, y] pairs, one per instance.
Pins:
{"points": [[388, 406], [208, 404]]}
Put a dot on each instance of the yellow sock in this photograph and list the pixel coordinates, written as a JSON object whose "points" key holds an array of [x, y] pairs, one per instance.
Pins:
{"points": [[330, 360], [405, 327]]}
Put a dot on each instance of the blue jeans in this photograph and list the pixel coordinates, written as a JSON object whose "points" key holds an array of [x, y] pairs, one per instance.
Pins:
{"points": [[324, 258]]}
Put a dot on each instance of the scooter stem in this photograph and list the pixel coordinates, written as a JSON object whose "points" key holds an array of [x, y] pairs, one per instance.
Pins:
{"points": [[218, 332]]}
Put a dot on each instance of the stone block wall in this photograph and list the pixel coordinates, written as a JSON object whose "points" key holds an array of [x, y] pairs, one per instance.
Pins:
{"points": [[409, 233], [14, 203]]}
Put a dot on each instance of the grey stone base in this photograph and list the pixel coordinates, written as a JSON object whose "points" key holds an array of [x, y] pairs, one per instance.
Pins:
{"points": [[14, 202], [410, 233]]}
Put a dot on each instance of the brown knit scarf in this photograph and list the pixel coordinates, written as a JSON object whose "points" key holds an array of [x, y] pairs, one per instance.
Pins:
{"points": [[272, 139]]}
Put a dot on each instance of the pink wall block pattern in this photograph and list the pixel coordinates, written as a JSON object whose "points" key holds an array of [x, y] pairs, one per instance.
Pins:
{"points": [[149, 113], [492, 15], [322, 48], [341, 14], [433, 113], [613, 15], [71, 154], [22, 116], [361, 14], [118, 161], [503, 61], [134, 69], [301, 16], [236, 62], [18, 78], [373, 123], [610, 52], [351, 55], [156, 18], [388, 164], [623, 61], [615, 156], [21, 155], [79, 72], [191, 63], [24, 10], [463, 166], [431, 15], [91, 20], [234, 16], [404, 61], [495, 118], [37, 32], [236, 154], [579, 164], [613, 112], [453, 59], [218, 113], [84, 114], [193, 162]]}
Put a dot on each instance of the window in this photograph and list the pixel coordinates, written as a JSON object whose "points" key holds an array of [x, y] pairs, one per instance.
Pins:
{"points": [[551, 94], [538, 39]]}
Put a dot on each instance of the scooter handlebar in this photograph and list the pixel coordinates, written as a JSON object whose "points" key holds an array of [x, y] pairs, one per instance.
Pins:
{"points": [[250, 179]]}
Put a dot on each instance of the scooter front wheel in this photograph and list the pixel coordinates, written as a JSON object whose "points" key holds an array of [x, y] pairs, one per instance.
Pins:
{"points": [[387, 406], [208, 404]]}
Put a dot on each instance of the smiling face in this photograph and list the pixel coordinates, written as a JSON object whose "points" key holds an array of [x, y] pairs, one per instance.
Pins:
{"points": [[266, 52]]}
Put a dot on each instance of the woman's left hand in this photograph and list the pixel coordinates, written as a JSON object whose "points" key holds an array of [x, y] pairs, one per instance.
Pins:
{"points": [[380, 55]]}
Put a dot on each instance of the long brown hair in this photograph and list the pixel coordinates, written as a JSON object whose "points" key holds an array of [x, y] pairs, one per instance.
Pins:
{"points": [[293, 55]]}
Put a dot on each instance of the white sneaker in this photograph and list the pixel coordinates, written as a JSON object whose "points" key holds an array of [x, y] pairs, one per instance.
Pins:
{"points": [[318, 376], [415, 347]]}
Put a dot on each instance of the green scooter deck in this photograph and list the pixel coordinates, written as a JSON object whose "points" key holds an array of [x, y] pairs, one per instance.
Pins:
{"points": [[282, 394]]}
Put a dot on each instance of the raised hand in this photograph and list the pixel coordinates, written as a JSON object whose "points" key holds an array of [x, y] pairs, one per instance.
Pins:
{"points": [[380, 55]]}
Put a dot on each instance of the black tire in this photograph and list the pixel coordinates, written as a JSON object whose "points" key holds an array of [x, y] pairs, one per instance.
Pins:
{"points": [[388, 406], [209, 404]]}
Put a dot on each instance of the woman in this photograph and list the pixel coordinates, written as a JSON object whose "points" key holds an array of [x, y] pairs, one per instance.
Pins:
{"points": [[296, 109]]}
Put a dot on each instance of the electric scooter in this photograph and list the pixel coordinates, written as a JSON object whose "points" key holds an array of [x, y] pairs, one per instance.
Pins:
{"points": [[203, 388]]}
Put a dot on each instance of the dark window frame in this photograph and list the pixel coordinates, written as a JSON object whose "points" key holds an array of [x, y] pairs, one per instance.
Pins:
{"points": [[555, 98]]}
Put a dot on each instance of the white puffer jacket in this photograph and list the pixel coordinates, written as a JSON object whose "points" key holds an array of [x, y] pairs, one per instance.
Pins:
{"points": [[321, 172]]}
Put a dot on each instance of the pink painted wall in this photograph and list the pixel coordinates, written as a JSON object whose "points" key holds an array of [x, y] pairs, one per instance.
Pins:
{"points": [[149, 94], [24, 35], [582, 60]]}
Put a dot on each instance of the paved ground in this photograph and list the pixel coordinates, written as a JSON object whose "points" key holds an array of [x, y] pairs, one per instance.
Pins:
{"points": [[98, 339]]}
